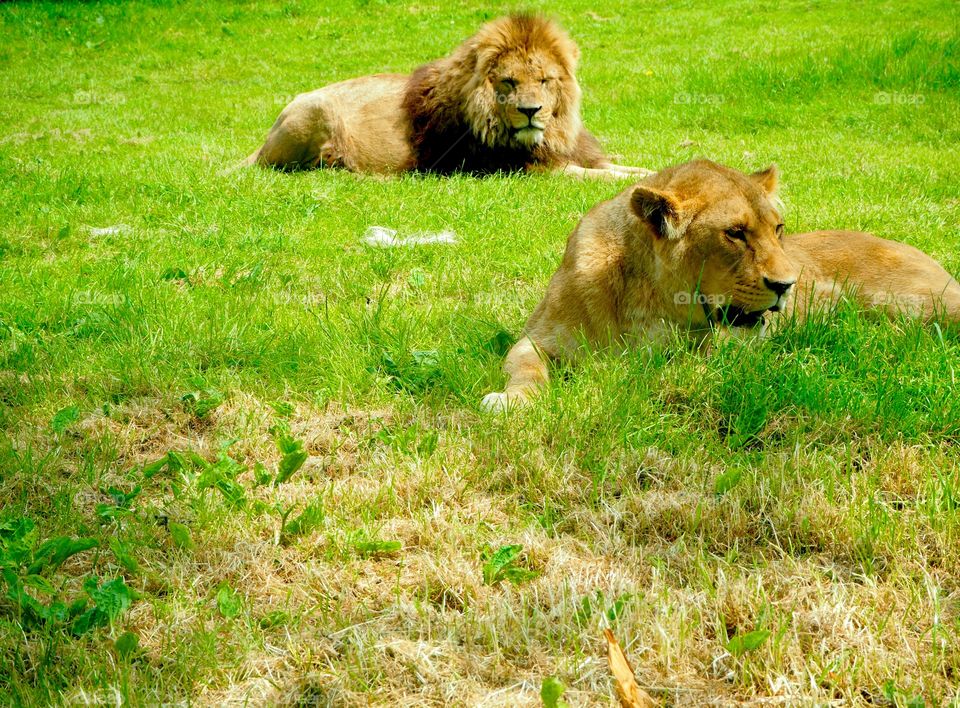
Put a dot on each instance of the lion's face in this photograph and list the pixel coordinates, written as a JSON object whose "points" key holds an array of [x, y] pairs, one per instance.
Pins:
{"points": [[720, 231], [528, 92], [523, 90]]}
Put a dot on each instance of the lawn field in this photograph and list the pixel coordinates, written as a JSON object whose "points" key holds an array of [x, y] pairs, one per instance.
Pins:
{"points": [[242, 456]]}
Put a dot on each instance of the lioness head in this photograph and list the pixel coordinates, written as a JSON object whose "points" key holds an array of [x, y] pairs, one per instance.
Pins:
{"points": [[522, 90], [718, 231]]}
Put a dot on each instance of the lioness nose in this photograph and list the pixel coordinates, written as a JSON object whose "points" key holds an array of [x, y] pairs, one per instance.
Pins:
{"points": [[778, 286], [529, 111]]}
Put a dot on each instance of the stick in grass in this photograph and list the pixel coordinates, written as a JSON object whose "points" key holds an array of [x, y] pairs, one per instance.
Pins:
{"points": [[629, 692]]}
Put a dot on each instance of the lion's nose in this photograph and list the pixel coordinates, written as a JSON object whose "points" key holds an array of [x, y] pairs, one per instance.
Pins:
{"points": [[779, 286], [529, 111]]}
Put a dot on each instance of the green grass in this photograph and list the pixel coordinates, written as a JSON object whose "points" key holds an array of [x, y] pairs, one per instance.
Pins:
{"points": [[772, 521]]}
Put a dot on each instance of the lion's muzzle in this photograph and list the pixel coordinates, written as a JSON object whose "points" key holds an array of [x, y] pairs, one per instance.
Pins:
{"points": [[780, 288]]}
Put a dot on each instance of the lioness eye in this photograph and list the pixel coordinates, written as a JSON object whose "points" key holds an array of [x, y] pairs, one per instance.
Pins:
{"points": [[737, 234], [779, 230], [544, 81], [508, 83]]}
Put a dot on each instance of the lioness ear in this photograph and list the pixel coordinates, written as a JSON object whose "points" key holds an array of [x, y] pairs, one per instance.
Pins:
{"points": [[660, 210], [767, 179]]}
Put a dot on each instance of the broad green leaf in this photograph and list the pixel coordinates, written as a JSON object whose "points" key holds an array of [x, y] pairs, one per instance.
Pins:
{"points": [[126, 644], [517, 574], [196, 460], [176, 462], [64, 418], [17, 538], [414, 371], [55, 551], [122, 553], [57, 612], [288, 445], [38, 582], [426, 357], [551, 693], [727, 481], [418, 278], [228, 601], [31, 608], [501, 558], [222, 475], [616, 609], [77, 606], [890, 691], [182, 538], [175, 274], [293, 458], [85, 622], [112, 598], [501, 565], [15, 529], [232, 491], [276, 618], [151, 469], [260, 474], [107, 512], [585, 611], [121, 498], [743, 643], [201, 403], [283, 408]]}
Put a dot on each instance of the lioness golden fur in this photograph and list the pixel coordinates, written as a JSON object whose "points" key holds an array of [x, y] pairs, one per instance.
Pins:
{"points": [[700, 245], [507, 99]]}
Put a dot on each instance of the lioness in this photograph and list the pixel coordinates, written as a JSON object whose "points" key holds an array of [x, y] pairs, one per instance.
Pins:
{"points": [[699, 245], [507, 99]]}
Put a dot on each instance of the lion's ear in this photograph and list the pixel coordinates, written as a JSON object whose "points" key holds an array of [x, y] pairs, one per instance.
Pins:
{"points": [[768, 180], [660, 210]]}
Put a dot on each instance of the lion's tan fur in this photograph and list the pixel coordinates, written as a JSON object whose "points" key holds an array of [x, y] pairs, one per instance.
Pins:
{"points": [[464, 112], [523, 49], [875, 272], [658, 257]]}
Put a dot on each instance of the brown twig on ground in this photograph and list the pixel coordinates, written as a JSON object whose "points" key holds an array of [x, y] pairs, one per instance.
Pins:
{"points": [[629, 692]]}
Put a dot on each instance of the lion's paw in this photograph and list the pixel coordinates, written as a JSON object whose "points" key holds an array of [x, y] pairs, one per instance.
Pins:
{"points": [[632, 172], [496, 402]]}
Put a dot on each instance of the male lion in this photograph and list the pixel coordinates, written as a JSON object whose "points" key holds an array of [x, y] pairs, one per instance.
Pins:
{"points": [[700, 245], [506, 100]]}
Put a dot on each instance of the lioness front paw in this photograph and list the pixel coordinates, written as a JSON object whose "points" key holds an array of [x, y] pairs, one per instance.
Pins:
{"points": [[501, 402]]}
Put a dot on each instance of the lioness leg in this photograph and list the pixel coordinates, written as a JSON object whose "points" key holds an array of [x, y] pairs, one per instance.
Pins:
{"points": [[526, 373]]}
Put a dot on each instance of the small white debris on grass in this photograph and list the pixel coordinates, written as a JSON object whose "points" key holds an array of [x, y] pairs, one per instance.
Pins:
{"points": [[382, 237], [109, 230]]}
